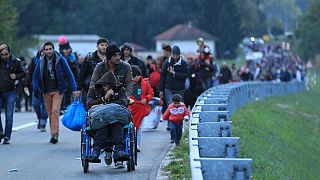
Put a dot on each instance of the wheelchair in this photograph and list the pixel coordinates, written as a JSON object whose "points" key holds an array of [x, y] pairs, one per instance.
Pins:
{"points": [[130, 142]]}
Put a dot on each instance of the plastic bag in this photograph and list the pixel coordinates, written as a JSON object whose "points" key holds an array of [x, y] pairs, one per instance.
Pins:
{"points": [[75, 116], [152, 120]]}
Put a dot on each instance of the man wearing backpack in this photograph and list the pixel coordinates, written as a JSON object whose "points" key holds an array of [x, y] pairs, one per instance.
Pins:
{"points": [[10, 71], [37, 102], [89, 64], [74, 66], [50, 79]]}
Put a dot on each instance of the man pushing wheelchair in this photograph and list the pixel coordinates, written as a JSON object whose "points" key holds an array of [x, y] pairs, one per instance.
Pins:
{"points": [[111, 84]]}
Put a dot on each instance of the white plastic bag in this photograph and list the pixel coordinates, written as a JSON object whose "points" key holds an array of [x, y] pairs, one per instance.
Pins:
{"points": [[152, 120]]}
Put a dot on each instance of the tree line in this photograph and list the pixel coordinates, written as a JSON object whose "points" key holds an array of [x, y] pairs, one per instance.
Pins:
{"points": [[140, 21]]}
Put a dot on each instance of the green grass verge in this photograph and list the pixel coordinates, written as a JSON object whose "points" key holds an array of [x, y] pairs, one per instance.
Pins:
{"points": [[281, 135], [179, 167]]}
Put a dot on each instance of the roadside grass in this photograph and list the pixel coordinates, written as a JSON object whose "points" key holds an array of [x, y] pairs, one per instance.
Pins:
{"points": [[179, 167], [281, 135]]}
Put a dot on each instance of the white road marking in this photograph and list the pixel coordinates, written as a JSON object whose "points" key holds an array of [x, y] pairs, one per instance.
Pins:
{"points": [[24, 126], [15, 129]]}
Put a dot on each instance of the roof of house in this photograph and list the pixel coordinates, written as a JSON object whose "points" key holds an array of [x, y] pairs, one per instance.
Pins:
{"points": [[70, 37], [137, 47], [184, 32]]}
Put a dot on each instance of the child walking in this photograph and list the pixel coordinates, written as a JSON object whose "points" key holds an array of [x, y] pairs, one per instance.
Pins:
{"points": [[176, 113]]}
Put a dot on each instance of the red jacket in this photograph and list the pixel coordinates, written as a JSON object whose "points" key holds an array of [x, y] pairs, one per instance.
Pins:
{"points": [[176, 114], [138, 110]]}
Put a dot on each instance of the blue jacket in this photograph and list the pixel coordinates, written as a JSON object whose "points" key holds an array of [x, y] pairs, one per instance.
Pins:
{"points": [[62, 73], [177, 82]]}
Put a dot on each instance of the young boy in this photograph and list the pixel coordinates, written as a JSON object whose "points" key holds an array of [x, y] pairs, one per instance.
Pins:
{"points": [[175, 113]]}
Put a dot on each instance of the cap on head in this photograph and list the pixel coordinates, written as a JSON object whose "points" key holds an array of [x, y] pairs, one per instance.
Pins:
{"points": [[112, 49], [62, 40], [200, 40], [65, 46], [176, 50]]}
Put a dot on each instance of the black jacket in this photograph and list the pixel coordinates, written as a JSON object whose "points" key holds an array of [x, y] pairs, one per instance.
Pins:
{"points": [[177, 82], [225, 75], [11, 66], [122, 72], [135, 61], [86, 70]]}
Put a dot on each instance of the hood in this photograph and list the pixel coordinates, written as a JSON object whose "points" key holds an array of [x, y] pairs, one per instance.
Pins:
{"points": [[107, 79]]}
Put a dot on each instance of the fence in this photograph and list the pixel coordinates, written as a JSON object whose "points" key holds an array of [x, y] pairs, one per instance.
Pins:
{"points": [[214, 153]]}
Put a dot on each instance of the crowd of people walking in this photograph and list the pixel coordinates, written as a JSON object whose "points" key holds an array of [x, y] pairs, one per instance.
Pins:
{"points": [[52, 78]]}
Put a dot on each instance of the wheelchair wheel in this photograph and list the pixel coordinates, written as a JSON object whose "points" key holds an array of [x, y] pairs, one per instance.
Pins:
{"points": [[135, 149], [85, 164], [132, 150]]}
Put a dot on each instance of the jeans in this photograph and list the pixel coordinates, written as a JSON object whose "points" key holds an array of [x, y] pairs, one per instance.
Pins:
{"points": [[111, 133], [168, 97], [207, 83], [7, 100], [176, 131], [40, 109], [139, 134]]}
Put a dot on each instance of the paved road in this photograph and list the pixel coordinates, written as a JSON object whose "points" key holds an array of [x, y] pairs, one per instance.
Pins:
{"points": [[34, 158]]}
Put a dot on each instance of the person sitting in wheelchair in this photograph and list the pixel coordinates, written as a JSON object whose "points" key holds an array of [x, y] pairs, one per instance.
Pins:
{"points": [[108, 90]]}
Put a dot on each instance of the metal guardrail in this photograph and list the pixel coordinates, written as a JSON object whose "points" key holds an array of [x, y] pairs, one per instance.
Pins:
{"points": [[213, 150]]}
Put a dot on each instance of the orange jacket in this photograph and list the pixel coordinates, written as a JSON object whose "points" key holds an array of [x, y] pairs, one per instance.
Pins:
{"points": [[139, 110], [176, 114]]}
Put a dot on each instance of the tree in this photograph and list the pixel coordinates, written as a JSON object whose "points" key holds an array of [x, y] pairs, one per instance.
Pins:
{"points": [[8, 19], [308, 35], [286, 11], [140, 20]]}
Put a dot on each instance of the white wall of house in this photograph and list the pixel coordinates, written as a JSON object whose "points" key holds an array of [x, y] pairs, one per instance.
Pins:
{"points": [[81, 48], [186, 46], [82, 44]]}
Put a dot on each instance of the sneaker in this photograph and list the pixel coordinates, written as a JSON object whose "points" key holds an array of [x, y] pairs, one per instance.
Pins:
{"points": [[108, 158], [94, 156], [121, 154], [6, 140], [172, 141], [42, 129], [119, 165], [1, 136], [54, 139], [138, 150], [62, 112], [168, 129]]}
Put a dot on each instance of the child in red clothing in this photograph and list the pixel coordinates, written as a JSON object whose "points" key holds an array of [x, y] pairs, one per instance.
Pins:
{"points": [[176, 113], [142, 94]]}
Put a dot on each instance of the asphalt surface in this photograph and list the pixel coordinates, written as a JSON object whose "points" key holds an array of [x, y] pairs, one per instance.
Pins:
{"points": [[31, 156]]}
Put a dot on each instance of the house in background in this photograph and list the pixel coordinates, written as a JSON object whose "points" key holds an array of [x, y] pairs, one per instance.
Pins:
{"points": [[185, 36], [81, 44]]}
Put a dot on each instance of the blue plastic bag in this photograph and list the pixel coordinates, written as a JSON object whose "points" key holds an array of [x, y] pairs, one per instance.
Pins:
{"points": [[75, 116]]}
